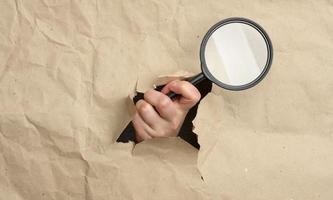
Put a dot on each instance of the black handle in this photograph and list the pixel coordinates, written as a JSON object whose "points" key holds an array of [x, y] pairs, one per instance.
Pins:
{"points": [[194, 80]]}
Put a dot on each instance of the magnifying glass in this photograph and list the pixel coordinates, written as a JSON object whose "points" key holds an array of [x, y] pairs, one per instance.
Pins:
{"points": [[235, 54]]}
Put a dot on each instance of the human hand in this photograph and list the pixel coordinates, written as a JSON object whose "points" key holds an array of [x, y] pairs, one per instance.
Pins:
{"points": [[169, 115]]}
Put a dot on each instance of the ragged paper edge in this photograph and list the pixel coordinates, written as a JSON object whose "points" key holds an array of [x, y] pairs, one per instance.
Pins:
{"points": [[141, 87], [218, 147]]}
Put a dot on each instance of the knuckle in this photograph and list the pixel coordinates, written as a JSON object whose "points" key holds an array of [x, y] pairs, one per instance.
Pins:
{"points": [[164, 102], [174, 84], [148, 94], [143, 107], [138, 104]]}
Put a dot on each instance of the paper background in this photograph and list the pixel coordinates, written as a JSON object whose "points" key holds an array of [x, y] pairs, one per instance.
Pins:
{"points": [[67, 67]]}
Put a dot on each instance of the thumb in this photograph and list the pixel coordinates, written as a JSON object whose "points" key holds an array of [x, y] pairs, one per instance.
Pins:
{"points": [[190, 95]]}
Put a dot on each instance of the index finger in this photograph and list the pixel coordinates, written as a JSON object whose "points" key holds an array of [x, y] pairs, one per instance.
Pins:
{"points": [[190, 95], [162, 103]]}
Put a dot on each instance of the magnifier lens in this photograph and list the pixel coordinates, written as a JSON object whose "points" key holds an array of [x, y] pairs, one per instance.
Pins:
{"points": [[235, 54]]}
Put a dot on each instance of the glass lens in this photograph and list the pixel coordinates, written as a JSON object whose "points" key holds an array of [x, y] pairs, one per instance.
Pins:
{"points": [[236, 54]]}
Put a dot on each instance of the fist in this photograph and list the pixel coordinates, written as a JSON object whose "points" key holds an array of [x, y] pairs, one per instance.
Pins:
{"points": [[159, 116]]}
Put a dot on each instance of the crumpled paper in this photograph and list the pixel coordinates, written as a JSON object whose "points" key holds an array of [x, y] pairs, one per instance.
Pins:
{"points": [[67, 67]]}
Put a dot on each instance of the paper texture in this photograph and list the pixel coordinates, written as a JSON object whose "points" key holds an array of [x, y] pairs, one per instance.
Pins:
{"points": [[67, 68]]}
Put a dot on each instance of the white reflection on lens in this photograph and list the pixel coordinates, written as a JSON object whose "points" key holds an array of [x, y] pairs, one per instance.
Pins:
{"points": [[236, 54]]}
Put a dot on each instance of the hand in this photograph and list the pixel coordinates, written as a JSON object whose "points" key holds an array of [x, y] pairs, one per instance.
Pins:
{"points": [[169, 115]]}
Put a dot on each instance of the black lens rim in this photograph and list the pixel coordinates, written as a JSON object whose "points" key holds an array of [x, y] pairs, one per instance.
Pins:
{"points": [[269, 53]]}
